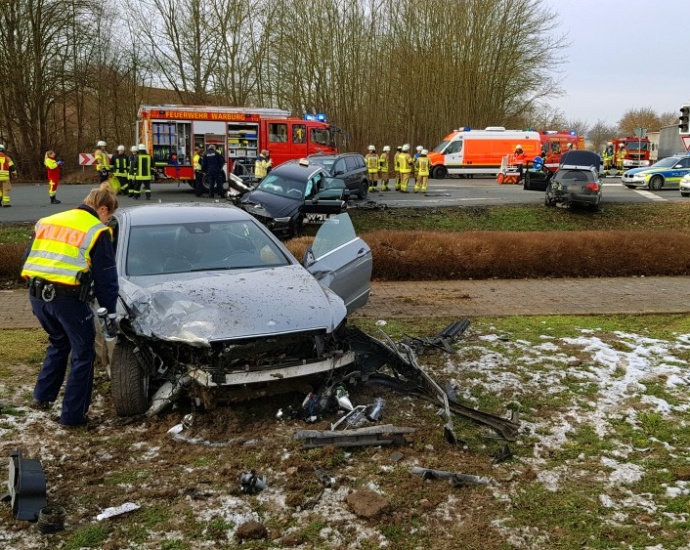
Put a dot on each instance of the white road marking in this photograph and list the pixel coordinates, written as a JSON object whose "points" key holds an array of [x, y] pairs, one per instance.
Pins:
{"points": [[650, 195]]}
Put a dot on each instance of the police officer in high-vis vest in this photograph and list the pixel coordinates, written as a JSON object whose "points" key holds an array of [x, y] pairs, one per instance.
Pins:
{"points": [[70, 259]]}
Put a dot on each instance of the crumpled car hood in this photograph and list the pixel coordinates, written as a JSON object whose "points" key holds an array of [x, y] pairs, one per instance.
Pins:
{"points": [[199, 308], [273, 205]]}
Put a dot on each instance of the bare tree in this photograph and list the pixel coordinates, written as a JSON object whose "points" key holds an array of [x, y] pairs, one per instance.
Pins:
{"points": [[601, 133], [644, 117]]}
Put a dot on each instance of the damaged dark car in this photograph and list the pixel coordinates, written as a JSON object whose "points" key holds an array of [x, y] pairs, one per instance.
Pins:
{"points": [[211, 301]]}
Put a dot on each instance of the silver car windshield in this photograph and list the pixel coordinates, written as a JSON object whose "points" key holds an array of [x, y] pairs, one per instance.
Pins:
{"points": [[200, 246]]}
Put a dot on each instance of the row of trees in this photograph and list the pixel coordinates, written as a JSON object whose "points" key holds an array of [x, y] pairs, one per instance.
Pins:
{"points": [[385, 71]]}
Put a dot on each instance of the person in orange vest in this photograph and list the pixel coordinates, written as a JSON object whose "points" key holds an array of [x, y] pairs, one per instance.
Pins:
{"points": [[7, 171], [53, 171], [519, 159], [405, 163], [422, 165], [70, 258], [372, 160]]}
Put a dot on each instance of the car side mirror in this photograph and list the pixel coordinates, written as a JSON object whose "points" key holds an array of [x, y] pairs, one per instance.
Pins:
{"points": [[308, 258]]}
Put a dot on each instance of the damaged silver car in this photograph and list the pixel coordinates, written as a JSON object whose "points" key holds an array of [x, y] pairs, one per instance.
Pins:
{"points": [[211, 301]]}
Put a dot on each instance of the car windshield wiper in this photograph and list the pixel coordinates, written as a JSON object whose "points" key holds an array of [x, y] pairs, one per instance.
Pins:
{"points": [[210, 269]]}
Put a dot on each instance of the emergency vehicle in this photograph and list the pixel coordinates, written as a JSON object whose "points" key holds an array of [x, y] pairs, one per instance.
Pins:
{"points": [[172, 133], [555, 143], [470, 151], [638, 151]]}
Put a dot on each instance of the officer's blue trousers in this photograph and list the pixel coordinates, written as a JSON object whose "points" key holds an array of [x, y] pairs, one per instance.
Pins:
{"points": [[69, 324]]}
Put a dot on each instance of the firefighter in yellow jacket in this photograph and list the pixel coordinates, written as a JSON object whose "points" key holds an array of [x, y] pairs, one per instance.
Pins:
{"points": [[405, 164], [396, 166], [620, 157], [7, 170], [383, 167], [102, 161], [422, 170], [372, 160]]}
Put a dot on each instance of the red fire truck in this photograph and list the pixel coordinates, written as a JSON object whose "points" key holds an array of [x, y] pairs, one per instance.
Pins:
{"points": [[172, 133], [637, 151], [555, 142]]}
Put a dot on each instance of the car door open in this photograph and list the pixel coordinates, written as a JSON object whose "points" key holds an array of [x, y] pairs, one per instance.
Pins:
{"points": [[341, 261]]}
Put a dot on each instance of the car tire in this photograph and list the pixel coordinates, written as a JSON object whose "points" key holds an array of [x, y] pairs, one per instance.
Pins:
{"points": [[549, 199], [656, 183], [629, 186], [439, 172], [363, 190], [130, 381]]}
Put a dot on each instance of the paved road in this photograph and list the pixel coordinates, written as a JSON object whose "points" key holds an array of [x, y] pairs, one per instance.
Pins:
{"points": [[30, 202], [493, 298]]}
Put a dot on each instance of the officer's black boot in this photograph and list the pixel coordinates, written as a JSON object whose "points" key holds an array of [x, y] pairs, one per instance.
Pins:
{"points": [[53, 200]]}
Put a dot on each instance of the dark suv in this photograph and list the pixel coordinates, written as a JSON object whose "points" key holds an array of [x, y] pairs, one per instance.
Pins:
{"points": [[349, 167]]}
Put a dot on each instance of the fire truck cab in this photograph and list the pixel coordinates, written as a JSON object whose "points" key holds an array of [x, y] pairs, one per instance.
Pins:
{"points": [[637, 151], [555, 143], [172, 134]]}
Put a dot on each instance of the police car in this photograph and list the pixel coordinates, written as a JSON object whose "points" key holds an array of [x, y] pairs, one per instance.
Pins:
{"points": [[664, 174]]}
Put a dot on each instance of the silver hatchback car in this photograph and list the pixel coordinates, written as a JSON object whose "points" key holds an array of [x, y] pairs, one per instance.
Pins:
{"points": [[210, 299]]}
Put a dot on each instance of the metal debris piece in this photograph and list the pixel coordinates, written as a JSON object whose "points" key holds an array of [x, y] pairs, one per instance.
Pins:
{"points": [[455, 478], [323, 477], [117, 510], [375, 410], [374, 354], [352, 418], [386, 434], [503, 454], [177, 434], [251, 483], [443, 340]]}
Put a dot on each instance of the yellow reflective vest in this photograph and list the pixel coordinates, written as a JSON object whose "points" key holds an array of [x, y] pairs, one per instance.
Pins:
{"points": [[261, 166], [6, 166], [422, 164], [405, 163], [102, 160], [62, 246], [372, 163], [383, 162], [197, 162]]}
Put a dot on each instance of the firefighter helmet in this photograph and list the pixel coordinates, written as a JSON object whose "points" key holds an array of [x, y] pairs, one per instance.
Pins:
{"points": [[142, 147], [570, 145], [133, 148], [2, 147], [399, 148], [425, 152], [371, 148], [518, 147], [406, 147], [101, 144], [120, 147], [609, 143], [386, 148], [419, 148]]}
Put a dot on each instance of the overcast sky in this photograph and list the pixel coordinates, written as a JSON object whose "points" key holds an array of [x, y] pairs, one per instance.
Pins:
{"points": [[623, 54]]}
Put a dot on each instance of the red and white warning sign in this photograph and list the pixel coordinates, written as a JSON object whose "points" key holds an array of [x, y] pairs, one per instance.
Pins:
{"points": [[86, 159]]}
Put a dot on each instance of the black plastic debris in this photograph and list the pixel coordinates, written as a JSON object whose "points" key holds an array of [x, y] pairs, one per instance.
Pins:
{"points": [[27, 485], [251, 483], [443, 340]]}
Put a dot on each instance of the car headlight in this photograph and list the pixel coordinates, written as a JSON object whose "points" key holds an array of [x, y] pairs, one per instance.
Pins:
{"points": [[282, 220], [644, 163]]}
